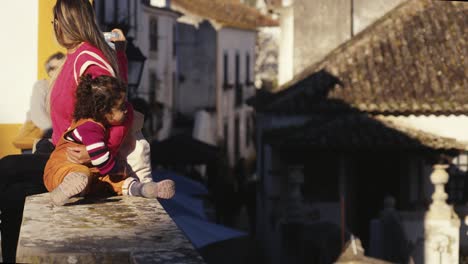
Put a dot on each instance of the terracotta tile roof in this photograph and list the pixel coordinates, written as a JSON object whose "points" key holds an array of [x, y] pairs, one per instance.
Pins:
{"points": [[361, 132], [226, 13], [414, 60]]}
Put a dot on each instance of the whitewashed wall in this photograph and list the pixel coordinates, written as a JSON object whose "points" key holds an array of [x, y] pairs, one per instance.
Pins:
{"points": [[328, 24], [445, 126], [235, 41], [163, 63], [18, 50], [196, 51]]}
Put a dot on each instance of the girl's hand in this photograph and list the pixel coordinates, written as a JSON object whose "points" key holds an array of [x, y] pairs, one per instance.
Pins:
{"points": [[121, 41], [78, 155]]}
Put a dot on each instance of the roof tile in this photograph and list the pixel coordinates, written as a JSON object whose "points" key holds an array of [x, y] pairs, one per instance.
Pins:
{"points": [[225, 13], [411, 61]]}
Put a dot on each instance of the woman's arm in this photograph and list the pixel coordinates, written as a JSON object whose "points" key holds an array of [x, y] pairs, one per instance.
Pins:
{"points": [[120, 48], [78, 155]]}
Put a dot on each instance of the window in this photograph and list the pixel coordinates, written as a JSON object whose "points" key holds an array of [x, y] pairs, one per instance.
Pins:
{"points": [[248, 130], [461, 161], [100, 10], [153, 36], [225, 70], [237, 70], [157, 3], [247, 69], [455, 186], [226, 132], [238, 86], [174, 40], [320, 189], [237, 138], [174, 92], [110, 13], [153, 86]]}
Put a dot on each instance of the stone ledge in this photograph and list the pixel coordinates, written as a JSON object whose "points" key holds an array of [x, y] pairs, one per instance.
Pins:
{"points": [[119, 229]]}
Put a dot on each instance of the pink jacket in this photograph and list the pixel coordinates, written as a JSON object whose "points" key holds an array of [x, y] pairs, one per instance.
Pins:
{"points": [[62, 98]]}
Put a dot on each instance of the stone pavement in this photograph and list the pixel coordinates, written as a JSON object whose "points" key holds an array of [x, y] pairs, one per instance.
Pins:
{"points": [[119, 229]]}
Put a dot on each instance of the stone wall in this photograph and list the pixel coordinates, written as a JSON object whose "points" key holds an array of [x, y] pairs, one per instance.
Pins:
{"points": [[120, 229], [319, 27]]}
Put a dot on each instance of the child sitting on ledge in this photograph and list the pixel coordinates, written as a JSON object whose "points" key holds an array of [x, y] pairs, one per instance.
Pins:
{"points": [[100, 103]]}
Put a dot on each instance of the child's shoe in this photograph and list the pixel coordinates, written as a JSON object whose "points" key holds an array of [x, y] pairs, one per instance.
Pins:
{"points": [[164, 189], [73, 184]]}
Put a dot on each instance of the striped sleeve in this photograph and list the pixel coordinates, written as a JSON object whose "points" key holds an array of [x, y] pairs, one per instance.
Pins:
{"points": [[91, 61], [93, 136]]}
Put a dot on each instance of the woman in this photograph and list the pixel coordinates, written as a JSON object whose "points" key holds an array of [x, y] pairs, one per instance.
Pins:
{"points": [[76, 29]]}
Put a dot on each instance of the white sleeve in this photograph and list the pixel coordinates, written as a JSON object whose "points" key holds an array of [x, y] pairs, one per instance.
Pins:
{"points": [[38, 105]]}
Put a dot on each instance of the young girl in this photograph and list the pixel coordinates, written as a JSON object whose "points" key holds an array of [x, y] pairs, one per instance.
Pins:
{"points": [[100, 104]]}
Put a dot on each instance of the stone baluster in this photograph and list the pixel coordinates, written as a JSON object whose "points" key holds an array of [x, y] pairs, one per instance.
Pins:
{"points": [[441, 223]]}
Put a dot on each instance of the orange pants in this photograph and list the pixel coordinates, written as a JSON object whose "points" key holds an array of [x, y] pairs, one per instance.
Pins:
{"points": [[58, 167]]}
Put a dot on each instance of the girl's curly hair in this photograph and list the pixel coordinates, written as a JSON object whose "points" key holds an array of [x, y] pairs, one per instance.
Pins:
{"points": [[96, 97]]}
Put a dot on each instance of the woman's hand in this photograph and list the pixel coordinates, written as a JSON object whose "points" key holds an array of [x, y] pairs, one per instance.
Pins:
{"points": [[78, 155], [120, 33], [121, 41]]}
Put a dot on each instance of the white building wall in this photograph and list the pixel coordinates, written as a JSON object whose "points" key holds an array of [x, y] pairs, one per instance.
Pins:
{"points": [[446, 126], [196, 51], [161, 62], [234, 41], [19, 55], [286, 44], [204, 129], [312, 29], [367, 12]]}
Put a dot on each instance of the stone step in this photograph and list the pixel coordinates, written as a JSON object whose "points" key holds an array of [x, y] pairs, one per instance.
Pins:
{"points": [[119, 229]]}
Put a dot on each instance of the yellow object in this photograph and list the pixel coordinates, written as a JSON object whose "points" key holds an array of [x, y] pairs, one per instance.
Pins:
{"points": [[8, 132], [47, 44], [27, 135]]}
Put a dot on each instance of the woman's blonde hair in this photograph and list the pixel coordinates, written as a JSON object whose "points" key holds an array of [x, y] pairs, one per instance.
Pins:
{"points": [[75, 22]]}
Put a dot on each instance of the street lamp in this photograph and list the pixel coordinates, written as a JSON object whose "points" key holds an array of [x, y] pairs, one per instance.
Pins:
{"points": [[136, 62]]}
